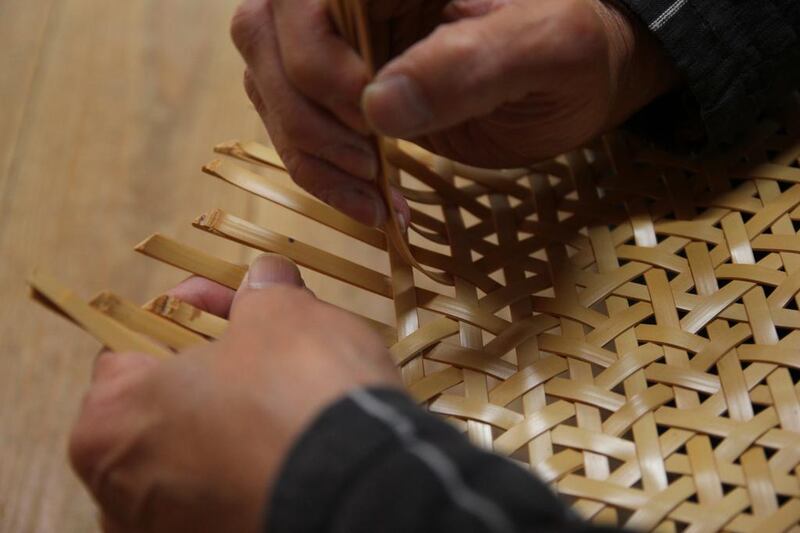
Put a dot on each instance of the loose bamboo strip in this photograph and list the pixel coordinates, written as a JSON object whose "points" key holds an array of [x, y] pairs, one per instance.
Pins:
{"points": [[354, 27], [102, 327], [143, 321], [252, 152], [220, 223], [192, 260], [244, 232], [268, 189], [196, 262]]}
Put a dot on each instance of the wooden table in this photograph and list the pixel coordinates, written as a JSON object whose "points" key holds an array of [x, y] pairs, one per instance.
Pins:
{"points": [[108, 111]]}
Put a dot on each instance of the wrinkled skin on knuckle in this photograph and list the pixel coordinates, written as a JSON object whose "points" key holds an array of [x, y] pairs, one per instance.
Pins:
{"points": [[247, 23], [94, 434], [461, 48], [253, 95], [85, 449], [559, 105], [578, 35], [294, 129], [120, 383], [300, 169], [304, 72]]}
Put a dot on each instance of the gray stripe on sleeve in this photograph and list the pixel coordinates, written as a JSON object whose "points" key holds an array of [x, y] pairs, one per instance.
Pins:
{"points": [[437, 461]]}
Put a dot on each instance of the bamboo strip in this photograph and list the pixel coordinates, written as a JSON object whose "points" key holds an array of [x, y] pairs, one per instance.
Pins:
{"points": [[105, 329], [192, 260], [145, 322], [188, 316]]}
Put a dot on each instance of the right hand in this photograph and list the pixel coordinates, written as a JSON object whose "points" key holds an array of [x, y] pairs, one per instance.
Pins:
{"points": [[494, 83], [196, 442]]}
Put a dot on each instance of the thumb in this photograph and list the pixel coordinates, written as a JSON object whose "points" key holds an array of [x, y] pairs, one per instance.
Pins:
{"points": [[448, 77], [266, 271], [468, 68]]}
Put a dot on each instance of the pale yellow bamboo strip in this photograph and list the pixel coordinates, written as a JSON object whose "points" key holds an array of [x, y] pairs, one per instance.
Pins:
{"points": [[222, 224], [108, 331], [244, 232], [354, 27], [192, 260], [266, 187], [252, 152]]}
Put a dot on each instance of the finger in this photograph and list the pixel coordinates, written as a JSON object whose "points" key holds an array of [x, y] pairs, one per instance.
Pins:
{"points": [[205, 295], [318, 62], [355, 198], [291, 118], [105, 409], [469, 68], [267, 271], [327, 159], [461, 9]]}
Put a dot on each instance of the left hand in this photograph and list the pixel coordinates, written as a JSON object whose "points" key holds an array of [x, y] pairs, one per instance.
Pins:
{"points": [[196, 443]]}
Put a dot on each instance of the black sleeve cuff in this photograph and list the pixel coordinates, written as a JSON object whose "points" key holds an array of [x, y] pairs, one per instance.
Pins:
{"points": [[740, 59], [356, 471]]}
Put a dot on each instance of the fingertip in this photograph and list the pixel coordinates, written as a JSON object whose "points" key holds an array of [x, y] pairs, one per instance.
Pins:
{"points": [[395, 105], [268, 270], [204, 294], [363, 204]]}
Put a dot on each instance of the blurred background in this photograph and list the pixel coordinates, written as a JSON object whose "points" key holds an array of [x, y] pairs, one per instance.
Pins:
{"points": [[108, 111]]}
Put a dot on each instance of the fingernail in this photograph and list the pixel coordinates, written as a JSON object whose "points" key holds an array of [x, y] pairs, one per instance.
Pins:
{"points": [[268, 270], [352, 160], [365, 207], [396, 106]]}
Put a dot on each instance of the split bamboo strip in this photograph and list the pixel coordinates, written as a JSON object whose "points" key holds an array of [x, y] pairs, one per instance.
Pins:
{"points": [[188, 316], [106, 330], [145, 322]]}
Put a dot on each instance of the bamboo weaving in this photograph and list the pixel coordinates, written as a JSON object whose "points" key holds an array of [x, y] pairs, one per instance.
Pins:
{"points": [[619, 321]]}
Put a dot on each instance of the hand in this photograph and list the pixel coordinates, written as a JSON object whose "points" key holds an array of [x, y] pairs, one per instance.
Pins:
{"points": [[494, 83], [195, 443]]}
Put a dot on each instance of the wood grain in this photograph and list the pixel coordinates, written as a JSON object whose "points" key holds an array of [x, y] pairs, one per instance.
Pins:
{"points": [[109, 110]]}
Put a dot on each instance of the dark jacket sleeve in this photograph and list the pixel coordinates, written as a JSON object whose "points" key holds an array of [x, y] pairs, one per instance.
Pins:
{"points": [[375, 462], [739, 58]]}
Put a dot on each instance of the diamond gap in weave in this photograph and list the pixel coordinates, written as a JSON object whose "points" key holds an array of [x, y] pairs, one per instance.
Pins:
{"points": [[621, 322]]}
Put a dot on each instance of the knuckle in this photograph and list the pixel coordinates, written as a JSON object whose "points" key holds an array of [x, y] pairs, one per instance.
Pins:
{"points": [[89, 440], [296, 130], [304, 72], [462, 45], [114, 392], [254, 95], [302, 170], [247, 24], [578, 32]]}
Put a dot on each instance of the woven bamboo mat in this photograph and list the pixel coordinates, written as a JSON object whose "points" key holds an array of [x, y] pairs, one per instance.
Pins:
{"points": [[619, 321]]}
